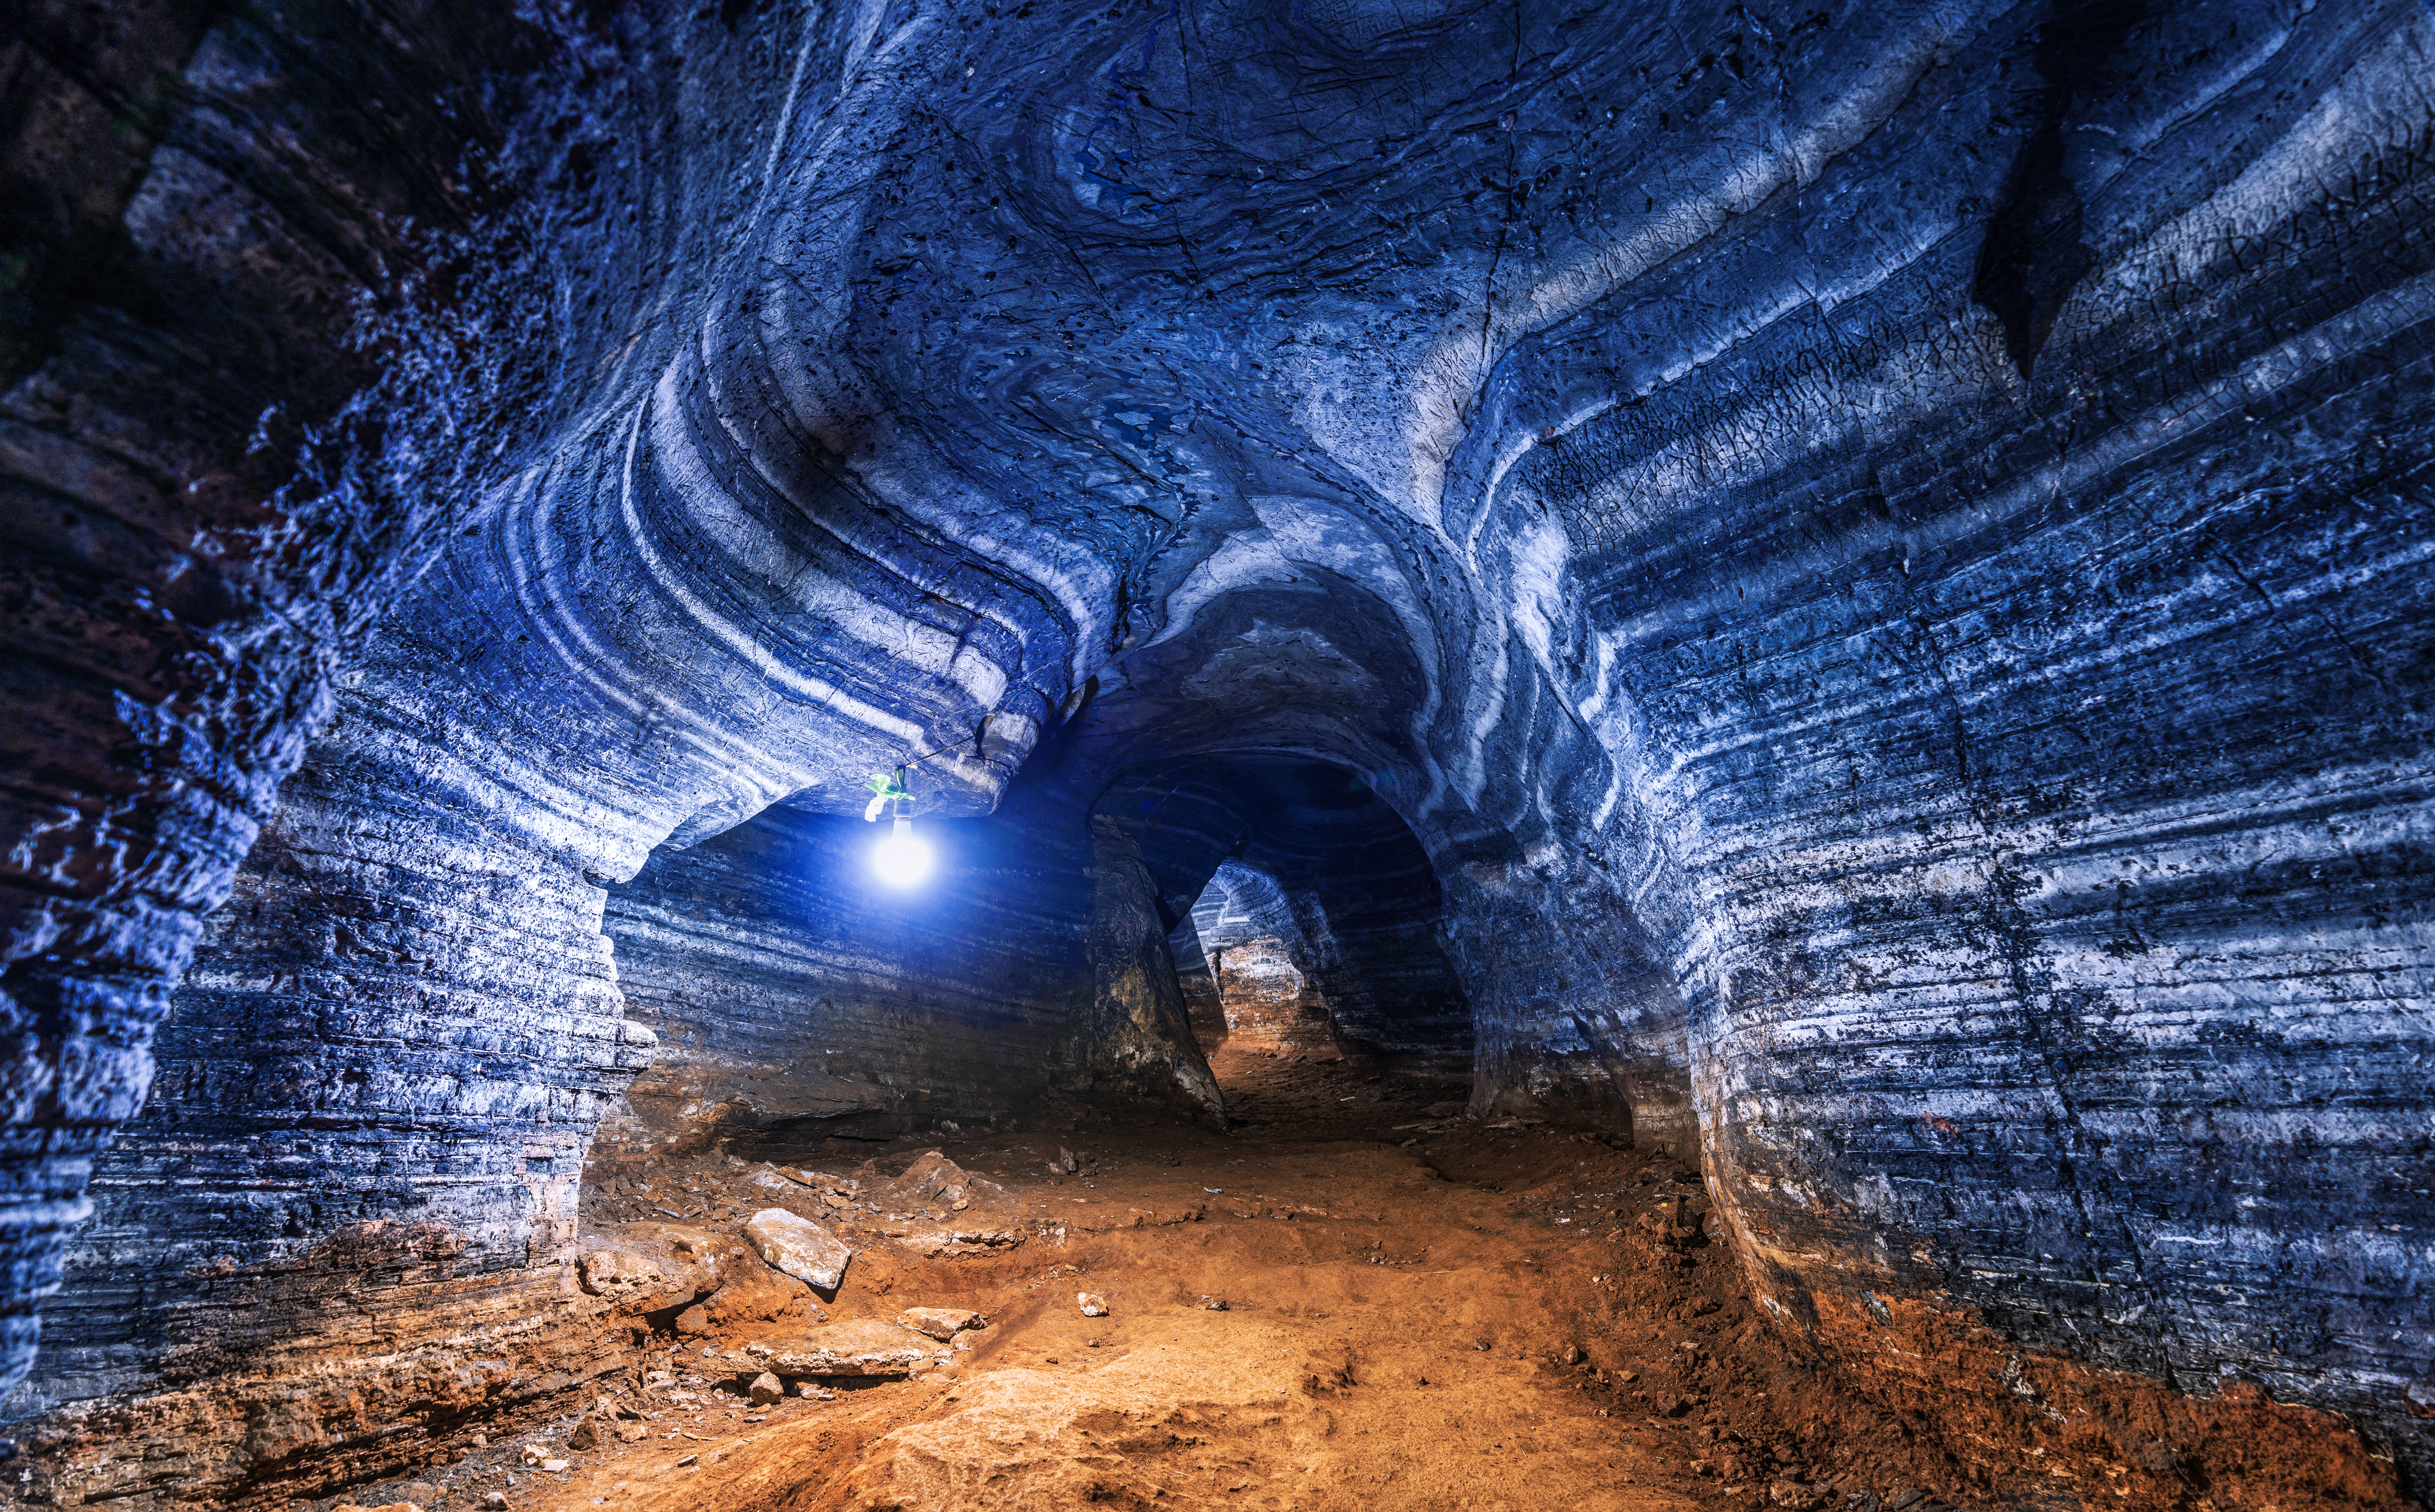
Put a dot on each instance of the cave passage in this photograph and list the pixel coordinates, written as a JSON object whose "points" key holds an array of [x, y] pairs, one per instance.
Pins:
{"points": [[1246, 967], [1677, 755], [1318, 932]]}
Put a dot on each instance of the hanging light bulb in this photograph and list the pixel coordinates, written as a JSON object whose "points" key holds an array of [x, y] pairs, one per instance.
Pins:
{"points": [[902, 858]]}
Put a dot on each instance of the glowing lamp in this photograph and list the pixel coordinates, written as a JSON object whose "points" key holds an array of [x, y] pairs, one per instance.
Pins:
{"points": [[901, 859]]}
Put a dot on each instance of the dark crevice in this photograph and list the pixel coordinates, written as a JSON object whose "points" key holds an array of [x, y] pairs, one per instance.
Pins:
{"points": [[2033, 255]]}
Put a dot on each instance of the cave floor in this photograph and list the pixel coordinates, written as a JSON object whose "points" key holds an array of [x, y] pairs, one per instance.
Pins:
{"points": [[1419, 1312]]}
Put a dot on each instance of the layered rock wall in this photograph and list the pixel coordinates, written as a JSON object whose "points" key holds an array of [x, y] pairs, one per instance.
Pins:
{"points": [[2031, 698], [1304, 902], [792, 991], [266, 342]]}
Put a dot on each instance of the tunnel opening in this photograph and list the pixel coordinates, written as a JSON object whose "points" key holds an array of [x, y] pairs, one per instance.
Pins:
{"points": [[1248, 976], [1318, 930]]}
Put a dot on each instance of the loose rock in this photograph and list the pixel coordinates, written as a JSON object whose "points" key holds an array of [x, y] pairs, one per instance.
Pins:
{"points": [[857, 1347], [765, 1389], [1092, 1303], [798, 1247], [933, 1185], [939, 1322]]}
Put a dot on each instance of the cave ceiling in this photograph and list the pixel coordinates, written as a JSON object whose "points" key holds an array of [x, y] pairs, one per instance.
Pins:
{"points": [[1469, 344]]}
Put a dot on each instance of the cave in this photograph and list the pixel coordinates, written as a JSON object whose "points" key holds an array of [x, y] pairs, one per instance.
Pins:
{"points": [[1308, 754]]}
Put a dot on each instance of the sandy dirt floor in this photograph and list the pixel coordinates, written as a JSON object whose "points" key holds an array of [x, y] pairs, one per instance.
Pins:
{"points": [[1418, 1313]]}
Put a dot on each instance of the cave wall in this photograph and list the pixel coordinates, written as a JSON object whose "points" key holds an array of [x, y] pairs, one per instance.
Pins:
{"points": [[1324, 883], [264, 349], [2039, 733], [1202, 1008], [791, 991], [576, 676]]}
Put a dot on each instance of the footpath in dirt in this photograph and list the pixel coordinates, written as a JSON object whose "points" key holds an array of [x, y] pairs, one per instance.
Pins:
{"points": [[1356, 1299]]}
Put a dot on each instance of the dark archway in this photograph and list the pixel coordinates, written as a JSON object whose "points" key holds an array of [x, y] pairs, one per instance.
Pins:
{"points": [[1318, 891]]}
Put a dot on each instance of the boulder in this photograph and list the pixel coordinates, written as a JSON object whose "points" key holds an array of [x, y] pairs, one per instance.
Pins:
{"points": [[857, 1347], [640, 1280], [758, 1299], [933, 1186], [798, 1247]]}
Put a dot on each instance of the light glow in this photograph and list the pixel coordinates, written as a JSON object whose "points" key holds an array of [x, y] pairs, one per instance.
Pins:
{"points": [[901, 859]]}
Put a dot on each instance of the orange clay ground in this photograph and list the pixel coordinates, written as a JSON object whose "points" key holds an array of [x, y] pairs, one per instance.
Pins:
{"points": [[1420, 1314]]}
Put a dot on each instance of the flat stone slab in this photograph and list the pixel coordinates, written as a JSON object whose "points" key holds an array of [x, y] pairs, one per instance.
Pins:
{"points": [[929, 1241], [939, 1322], [798, 1247], [857, 1347]]}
